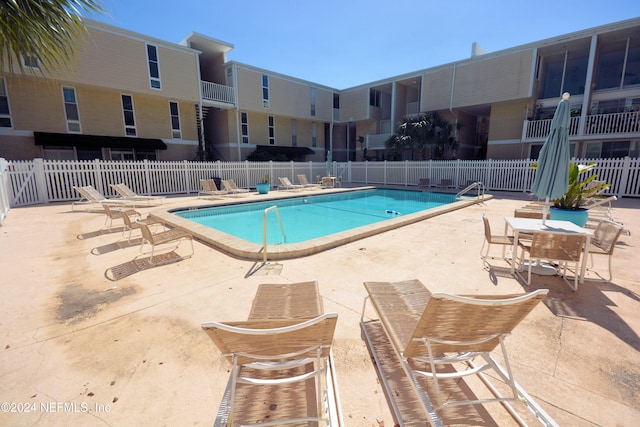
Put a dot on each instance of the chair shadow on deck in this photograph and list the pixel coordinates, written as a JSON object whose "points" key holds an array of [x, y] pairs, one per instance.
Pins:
{"points": [[101, 232], [590, 303], [137, 264], [116, 246]]}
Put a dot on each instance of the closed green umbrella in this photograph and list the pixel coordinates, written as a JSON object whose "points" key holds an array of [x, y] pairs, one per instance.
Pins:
{"points": [[552, 176]]}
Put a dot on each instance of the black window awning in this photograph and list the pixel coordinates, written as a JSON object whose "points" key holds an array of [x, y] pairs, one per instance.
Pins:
{"points": [[97, 141], [288, 151]]}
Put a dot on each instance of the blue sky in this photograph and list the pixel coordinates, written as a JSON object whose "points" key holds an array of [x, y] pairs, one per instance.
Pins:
{"points": [[345, 43]]}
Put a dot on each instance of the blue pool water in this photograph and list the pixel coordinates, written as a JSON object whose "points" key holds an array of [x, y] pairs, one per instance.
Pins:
{"points": [[305, 218]]}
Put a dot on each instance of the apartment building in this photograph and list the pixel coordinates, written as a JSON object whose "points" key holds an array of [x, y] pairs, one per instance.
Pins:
{"points": [[134, 97], [505, 100], [126, 97]]}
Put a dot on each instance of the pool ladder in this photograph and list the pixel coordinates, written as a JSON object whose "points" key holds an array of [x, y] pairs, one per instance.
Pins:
{"points": [[264, 231], [477, 185]]}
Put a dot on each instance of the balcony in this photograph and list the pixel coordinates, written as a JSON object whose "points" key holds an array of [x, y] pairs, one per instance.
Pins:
{"points": [[597, 125], [217, 95]]}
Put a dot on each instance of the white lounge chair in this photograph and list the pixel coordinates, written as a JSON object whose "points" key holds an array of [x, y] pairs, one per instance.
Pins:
{"points": [[302, 179], [231, 187], [128, 194], [272, 357], [91, 196], [285, 184], [165, 237], [117, 213], [427, 330], [210, 189]]}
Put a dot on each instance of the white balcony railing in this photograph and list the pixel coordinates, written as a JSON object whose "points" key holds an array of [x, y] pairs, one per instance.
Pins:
{"points": [[217, 92], [539, 129], [597, 124], [604, 124]]}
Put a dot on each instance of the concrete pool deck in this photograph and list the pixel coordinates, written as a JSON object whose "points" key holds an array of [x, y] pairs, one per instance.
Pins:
{"points": [[93, 335]]}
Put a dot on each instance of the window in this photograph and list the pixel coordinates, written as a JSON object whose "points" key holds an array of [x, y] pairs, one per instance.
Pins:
{"points": [[294, 133], [374, 97], [609, 68], [244, 125], [89, 153], [575, 72], [122, 154], [314, 135], [129, 117], [336, 101], [612, 149], [55, 152], [265, 91], [145, 154], [5, 114], [313, 100], [618, 64], [632, 67], [174, 113], [608, 107], [132, 154], [534, 151], [154, 67], [564, 72], [30, 61], [272, 131], [71, 109]]}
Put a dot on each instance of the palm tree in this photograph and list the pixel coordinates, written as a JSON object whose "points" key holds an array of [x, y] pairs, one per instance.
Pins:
{"points": [[41, 31], [441, 135], [427, 130]]}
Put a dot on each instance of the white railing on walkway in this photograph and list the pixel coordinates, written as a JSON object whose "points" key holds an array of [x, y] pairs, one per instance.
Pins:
{"points": [[217, 92], [597, 124], [539, 129], [40, 181], [605, 124]]}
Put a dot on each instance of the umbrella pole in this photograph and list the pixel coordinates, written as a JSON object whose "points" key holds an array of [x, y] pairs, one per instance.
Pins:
{"points": [[545, 210]]}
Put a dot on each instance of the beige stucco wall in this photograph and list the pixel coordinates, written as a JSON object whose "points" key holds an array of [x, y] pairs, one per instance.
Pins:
{"points": [[493, 80], [436, 90], [249, 90], [118, 60], [354, 104], [37, 105], [507, 120], [507, 151], [286, 97]]}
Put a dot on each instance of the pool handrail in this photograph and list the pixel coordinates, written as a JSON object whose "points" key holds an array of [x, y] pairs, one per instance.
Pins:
{"points": [[478, 185], [264, 230]]}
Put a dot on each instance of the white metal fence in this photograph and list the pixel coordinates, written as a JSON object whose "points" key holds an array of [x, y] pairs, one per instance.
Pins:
{"points": [[41, 181]]}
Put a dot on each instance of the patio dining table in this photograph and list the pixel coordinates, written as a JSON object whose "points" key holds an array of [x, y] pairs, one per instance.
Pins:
{"points": [[531, 225]]}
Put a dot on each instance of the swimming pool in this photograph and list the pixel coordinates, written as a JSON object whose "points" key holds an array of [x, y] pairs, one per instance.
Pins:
{"points": [[311, 217], [244, 249]]}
